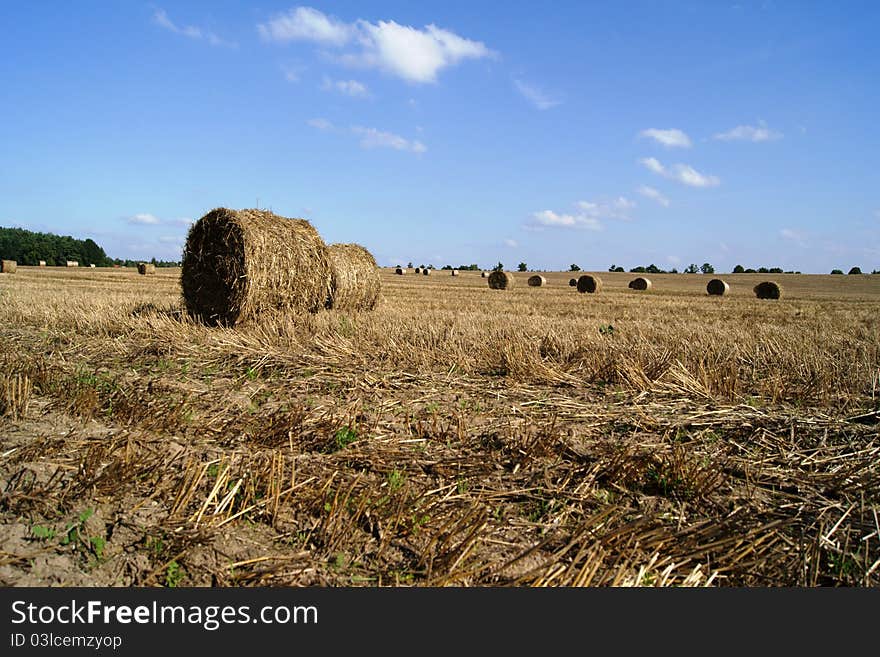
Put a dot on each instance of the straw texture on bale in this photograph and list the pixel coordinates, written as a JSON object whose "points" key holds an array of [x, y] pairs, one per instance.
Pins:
{"points": [[426, 272], [717, 287], [400, 271], [572, 282], [500, 280], [8, 266], [145, 268], [768, 290], [238, 264], [355, 278], [537, 281], [640, 283], [589, 284]]}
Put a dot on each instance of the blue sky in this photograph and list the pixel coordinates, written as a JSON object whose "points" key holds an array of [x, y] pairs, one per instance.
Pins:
{"points": [[454, 132]]}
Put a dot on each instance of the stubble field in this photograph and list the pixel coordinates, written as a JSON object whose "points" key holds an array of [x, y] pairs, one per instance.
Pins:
{"points": [[455, 435]]}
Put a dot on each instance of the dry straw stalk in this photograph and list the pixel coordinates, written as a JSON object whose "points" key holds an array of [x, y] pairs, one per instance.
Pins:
{"points": [[355, 278], [238, 264]]}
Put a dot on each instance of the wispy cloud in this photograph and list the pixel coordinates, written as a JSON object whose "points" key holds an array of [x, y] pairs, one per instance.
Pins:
{"points": [[373, 138], [351, 88], [588, 216], [415, 55], [320, 124], [160, 18], [511, 243], [671, 138], [751, 133], [794, 236], [535, 96], [653, 194], [143, 219], [683, 173], [292, 72]]}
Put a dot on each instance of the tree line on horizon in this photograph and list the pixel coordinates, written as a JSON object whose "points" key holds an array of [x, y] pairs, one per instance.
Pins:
{"points": [[29, 248]]}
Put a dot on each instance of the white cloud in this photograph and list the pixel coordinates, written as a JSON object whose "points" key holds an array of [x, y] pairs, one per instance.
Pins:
{"points": [[552, 219], [615, 209], [171, 239], [160, 18], [373, 138], [143, 219], [651, 193], [511, 243], [182, 221], [307, 24], [752, 133], [416, 55], [793, 236], [535, 96], [671, 138], [320, 124], [683, 173], [351, 88]]}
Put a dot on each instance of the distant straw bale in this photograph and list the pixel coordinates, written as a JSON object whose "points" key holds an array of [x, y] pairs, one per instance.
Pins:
{"points": [[238, 264], [717, 287], [589, 284], [418, 270], [145, 268], [572, 282], [42, 263], [640, 283], [483, 274], [500, 280], [73, 263], [768, 290], [400, 271], [537, 281], [455, 272], [8, 266], [426, 272], [356, 283]]}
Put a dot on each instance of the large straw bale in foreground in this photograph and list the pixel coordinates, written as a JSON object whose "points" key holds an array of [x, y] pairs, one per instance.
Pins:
{"points": [[8, 266], [537, 281], [500, 280], [145, 268], [590, 284], [717, 287], [768, 290], [240, 263], [355, 278]]}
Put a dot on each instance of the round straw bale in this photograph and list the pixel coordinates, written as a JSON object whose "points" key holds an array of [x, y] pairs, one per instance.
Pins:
{"points": [[400, 271], [591, 284], [572, 282], [455, 272], [717, 287], [145, 268], [240, 263], [418, 270], [42, 263], [355, 278], [537, 281], [8, 266], [483, 274], [500, 280], [640, 283], [426, 272], [768, 290]]}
